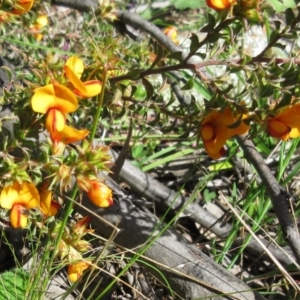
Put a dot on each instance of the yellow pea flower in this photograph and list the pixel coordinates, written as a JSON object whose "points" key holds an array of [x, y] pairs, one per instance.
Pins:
{"points": [[56, 100], [171, 32], [19, 197], [54, 96], [215, 132], [73, 69], [285, 124]]}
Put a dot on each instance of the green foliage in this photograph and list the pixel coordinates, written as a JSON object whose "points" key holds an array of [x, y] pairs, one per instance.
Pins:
{"points": [[13, 284], [184, 4]]}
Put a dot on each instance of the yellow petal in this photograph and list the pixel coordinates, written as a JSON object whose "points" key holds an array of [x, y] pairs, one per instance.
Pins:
{"points": [[48, 206], [75, 270], [25, 194], [85, 89], [55, 120], [75, 64], [219, 4], [92, 88], [17, 217], [45, 201], [76, 82], [69, 135], [294, 133], [53, 96], [42, 21]]}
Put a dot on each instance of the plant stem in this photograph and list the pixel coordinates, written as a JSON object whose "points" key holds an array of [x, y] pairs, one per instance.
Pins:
{"points": [[100, 99]]}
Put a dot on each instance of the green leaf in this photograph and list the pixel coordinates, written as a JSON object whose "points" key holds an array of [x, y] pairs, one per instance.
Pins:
{"points": [[194, 43], [149, 88], [138, 151], [189, 85], [160, 162], [13, 284], [176, 55], [280, 6]]}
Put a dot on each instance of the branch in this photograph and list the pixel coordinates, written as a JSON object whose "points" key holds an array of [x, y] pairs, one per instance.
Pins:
{"points": [[191, 274], [145, 186], [197, 66], [83, 6], [279, 197]]}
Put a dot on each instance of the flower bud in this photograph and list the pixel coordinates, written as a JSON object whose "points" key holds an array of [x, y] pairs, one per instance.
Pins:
{"points": [[251, 15], [98, 192]]}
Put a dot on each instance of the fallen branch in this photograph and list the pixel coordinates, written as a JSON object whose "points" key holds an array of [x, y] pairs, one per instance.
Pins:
{"points": [[190, 273]]}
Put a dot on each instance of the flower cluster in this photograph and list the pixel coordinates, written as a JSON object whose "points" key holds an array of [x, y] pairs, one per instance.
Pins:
{"points": [[219, 126], [56, 101], [72, 246]]}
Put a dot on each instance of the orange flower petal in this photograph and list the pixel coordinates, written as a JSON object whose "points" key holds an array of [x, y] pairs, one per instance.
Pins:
{"points": [[55, 120], [278, 129], [22, 6], [53, 96], [286, 124], [17, 217], [207, 132], [100, 194], [45, 203], [69, 135], [25, 194], [215, 131]]}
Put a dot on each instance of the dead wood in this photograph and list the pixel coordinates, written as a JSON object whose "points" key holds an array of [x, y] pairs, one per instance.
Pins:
{"points": [[190, 273]]}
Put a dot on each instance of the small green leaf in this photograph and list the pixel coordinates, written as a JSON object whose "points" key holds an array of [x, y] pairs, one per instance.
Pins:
{"points": [[149, 88], [138, 151], [189, 85], [176, 55], [194, 43]]}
